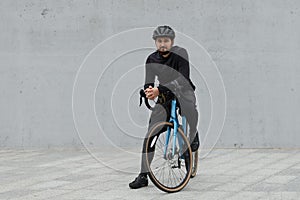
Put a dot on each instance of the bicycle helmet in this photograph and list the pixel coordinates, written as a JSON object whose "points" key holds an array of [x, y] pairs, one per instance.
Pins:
{"points": [[163, 31]]}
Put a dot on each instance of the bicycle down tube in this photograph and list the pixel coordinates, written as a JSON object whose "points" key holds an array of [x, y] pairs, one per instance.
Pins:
{"points": [[174, 120]]}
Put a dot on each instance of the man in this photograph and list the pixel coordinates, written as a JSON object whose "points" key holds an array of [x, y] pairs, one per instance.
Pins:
{"points": [[171, 66]]}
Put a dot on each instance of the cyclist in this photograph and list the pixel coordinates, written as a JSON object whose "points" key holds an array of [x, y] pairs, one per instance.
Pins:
{"points": [[171, 66]]}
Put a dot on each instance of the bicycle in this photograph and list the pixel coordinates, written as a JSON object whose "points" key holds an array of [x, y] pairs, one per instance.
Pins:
{"points": [[168, 153]]}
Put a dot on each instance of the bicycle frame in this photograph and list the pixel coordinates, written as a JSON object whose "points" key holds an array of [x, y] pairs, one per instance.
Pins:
{"points": [[174, 120]]}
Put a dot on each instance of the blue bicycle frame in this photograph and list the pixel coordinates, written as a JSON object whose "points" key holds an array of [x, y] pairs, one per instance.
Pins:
{"points": [[174, 120]]}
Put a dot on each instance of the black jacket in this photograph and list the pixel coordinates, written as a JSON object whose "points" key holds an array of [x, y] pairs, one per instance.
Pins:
{"points": [[173, 72]]}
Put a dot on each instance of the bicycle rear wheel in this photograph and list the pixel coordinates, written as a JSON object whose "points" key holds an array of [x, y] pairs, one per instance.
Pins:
{"points": [[169, 168]]}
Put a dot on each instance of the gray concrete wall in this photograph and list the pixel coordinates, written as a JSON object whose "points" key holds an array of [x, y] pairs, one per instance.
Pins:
{"points": [[255, 44]]}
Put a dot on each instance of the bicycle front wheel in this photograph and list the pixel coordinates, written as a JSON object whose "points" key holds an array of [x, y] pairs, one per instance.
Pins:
{"points": [[168, 160]]}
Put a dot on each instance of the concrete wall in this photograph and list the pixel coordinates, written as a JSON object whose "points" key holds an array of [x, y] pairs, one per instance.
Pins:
{"points": [[255, 45]]}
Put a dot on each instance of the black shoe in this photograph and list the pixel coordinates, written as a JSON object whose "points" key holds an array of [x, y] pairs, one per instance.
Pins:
{"points": [[195, 144], [140, 181]]}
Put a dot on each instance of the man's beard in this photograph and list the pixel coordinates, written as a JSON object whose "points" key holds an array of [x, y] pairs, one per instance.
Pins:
{"points": [[163, 52]]}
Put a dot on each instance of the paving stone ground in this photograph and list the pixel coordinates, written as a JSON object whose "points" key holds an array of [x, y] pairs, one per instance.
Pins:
{"points": [[78, 174]]}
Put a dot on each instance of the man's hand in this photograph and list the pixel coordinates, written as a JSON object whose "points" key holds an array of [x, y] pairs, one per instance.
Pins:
{"points": [[151, 93]]}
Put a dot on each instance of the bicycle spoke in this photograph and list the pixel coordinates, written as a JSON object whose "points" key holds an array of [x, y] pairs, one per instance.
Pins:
{"points": [[156, 159], [170, 177], [175, 176], [182, 172], [163, 175], [158, 169], [161, 143], [160, 151]]}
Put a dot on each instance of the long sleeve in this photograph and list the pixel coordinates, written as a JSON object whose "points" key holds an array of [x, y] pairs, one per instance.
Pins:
{"points": [[183, 80], [149, 75], [184, 70], [184, 66]]}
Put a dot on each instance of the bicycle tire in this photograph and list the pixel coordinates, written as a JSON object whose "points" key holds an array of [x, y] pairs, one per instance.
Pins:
{"points": [[187, 155]]}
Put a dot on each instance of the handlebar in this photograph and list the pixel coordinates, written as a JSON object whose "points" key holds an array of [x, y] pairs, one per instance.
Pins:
{"points": [[143, 95]]}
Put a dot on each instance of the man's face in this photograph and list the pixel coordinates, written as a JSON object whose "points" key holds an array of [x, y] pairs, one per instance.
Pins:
{"points": [[163, 44]]}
